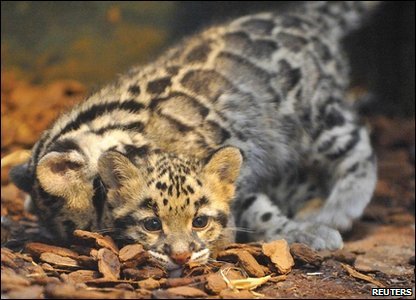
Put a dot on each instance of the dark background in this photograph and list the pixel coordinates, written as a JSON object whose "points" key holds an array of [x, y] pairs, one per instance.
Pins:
{"points": [[93, 41]]}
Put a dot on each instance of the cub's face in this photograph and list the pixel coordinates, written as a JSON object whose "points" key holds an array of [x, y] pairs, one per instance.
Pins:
{"points": [[177, 208]]}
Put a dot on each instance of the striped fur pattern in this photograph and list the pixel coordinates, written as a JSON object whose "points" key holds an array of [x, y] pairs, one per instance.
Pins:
{"points": [[270, 85]]}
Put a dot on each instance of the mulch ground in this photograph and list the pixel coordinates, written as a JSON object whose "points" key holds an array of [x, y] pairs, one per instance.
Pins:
{"points": [[379, 251]]}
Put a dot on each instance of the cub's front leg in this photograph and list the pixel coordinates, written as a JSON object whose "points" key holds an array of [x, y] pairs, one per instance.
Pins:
{"points": [[260, 218]]}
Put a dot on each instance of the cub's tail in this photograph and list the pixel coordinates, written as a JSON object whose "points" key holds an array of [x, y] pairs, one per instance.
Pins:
{"points": [[339, 18]]}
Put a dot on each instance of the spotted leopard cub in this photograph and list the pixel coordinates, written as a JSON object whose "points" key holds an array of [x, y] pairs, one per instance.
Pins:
{"points": [[177, 207], [271, 85]]}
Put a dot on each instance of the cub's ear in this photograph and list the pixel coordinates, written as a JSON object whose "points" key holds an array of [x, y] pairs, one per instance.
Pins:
{"points": [[114, 168], [22, 177], [225, 164], [20, 173], [66, 175]]}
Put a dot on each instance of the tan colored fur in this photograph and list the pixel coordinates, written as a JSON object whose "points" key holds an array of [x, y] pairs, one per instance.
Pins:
{"points": [[129, 187], [62, 176]]}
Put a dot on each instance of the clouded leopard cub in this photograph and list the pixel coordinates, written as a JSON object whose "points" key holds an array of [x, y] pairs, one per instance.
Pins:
{"points": [[252, 111]]}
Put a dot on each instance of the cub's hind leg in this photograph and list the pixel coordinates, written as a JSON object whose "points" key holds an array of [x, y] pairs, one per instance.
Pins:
{"points": [[346, 154]]}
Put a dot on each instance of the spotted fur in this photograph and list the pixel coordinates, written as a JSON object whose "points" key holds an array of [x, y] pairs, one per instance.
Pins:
{"points": [[270, 85]]}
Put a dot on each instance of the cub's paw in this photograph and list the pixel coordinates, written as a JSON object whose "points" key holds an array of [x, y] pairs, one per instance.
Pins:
{"points": [[338, 220], [317, 236]]}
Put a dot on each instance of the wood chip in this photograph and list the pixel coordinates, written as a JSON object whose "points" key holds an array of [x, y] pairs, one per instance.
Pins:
{"points": [[174, 282], [253, 249], [108, 264], [36, 249], [302, 254], [7, 259], [344, 256], [132, 256], [359, 275], [196, 269], [58, 260], [9, 279], [245, 260], [279, 253], [124, 286], [215, 283], [83, 275], [107, 283], [164, 294], [44, 280], [98, 239], [278, 278], [149, 284], [87, 261], [187, 291], [144, 273], [131, 252], [70, 291], [230, 294], [15, 158], [29, 292]]}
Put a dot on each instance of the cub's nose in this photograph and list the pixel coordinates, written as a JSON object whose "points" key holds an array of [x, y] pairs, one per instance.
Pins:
{"points": [[181, 258]]}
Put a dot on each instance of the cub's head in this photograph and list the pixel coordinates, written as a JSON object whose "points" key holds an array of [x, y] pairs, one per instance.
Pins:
{"points": [[176, 207]]}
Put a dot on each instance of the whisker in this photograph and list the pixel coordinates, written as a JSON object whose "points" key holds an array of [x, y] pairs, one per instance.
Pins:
{"points": [[241, 229], [105, 230]]}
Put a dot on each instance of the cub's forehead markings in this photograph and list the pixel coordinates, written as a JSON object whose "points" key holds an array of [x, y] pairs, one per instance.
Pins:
{"points": [[190, 189], [201, 202], [150, 169], [149, 204], [161, 186]]}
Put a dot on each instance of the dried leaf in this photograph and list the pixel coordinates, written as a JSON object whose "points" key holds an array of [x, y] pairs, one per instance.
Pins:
{"points": [[244, 284]]}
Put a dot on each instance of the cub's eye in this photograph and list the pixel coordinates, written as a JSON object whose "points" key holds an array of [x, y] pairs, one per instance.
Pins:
{"points": [[200, 222], [152, 224]]}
